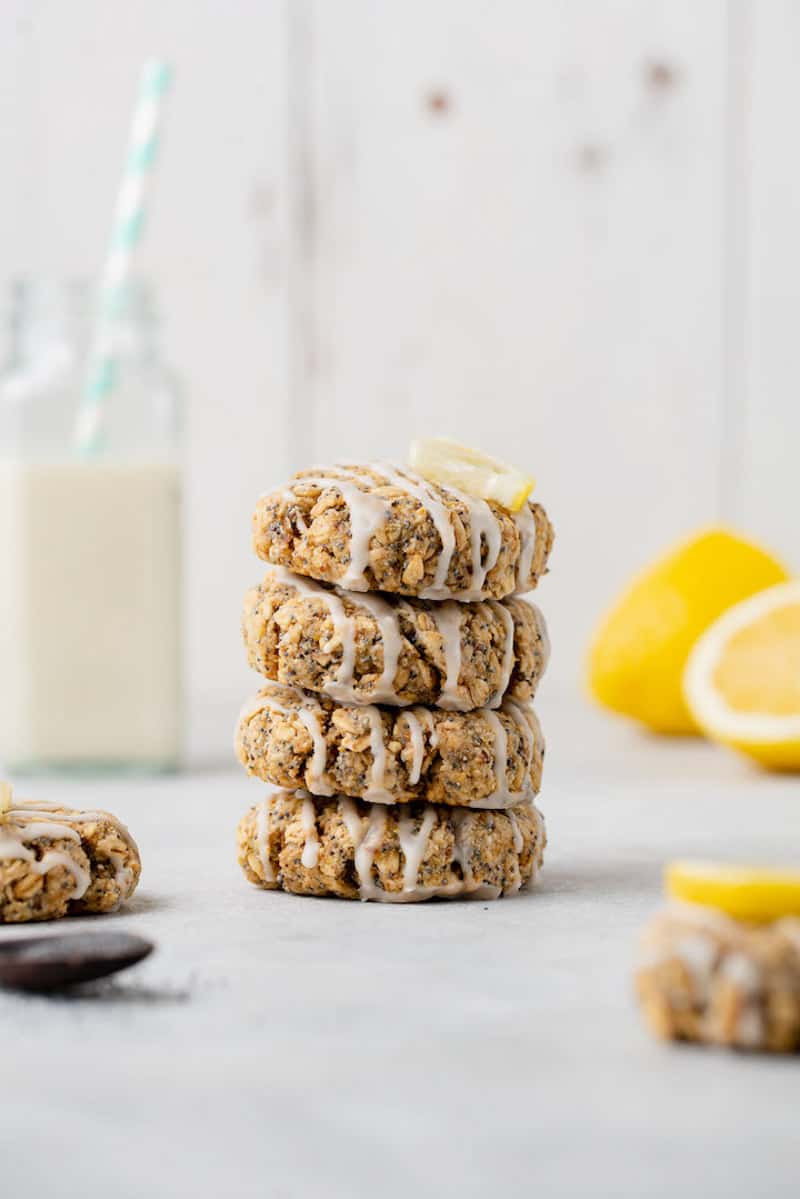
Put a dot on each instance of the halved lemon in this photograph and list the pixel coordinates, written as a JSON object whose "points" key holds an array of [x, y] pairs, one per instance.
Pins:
{"points": [[447, 462], [742, 678], [744, 892]]}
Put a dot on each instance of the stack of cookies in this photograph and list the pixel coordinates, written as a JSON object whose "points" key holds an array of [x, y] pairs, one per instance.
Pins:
{"points": [[399, 666]]}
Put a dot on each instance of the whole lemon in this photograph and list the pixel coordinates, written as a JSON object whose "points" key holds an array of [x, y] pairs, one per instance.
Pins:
{"points": [[639, 650]]}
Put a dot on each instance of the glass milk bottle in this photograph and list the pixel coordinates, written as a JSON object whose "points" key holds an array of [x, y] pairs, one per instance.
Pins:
{"points": [[90, 547]]}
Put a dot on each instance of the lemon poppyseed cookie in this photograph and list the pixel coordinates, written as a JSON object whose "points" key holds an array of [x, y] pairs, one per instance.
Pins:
{"points": [[382, 527], [705, 977], [483, 759], [354, 850], [56, 861], [364, 649]]}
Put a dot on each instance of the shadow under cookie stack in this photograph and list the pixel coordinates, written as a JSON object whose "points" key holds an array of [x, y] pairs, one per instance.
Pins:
{"points": [[400, 664]]}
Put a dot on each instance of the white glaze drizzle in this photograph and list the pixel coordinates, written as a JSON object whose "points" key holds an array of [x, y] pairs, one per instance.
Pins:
{"points": [[745, 974], [14, 840], [504, 616], [484, 527], [388, 624], [316, 769], [309, 713], [308, 817], [427, 718], [367, 514], [528, 724], [341, 687], [41, 809], [742, 972], [526, 526], [369, 842], [376, 788], [515, 833], [301, 523], [417, 739], [473, 889], [447, 618], [263, 828], [698, 955], [54, 830], [352, 820], [414, 844], [502, 797]]}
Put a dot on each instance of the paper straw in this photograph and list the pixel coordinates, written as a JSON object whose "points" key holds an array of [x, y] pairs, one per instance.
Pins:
{"points": [[129, 218]]}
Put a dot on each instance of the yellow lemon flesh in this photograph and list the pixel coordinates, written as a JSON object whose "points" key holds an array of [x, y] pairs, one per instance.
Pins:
{"points": [[742, 679], [744, 892], [453, 465], [639, 651]]}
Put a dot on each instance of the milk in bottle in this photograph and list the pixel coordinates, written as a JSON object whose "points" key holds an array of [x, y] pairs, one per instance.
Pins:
{"points": [[90, 547]]}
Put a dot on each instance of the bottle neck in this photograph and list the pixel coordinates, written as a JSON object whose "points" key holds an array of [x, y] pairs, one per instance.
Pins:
{"points": [[49, 317]]}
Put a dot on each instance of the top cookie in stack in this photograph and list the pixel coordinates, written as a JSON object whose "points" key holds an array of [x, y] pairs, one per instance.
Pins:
{"points": [[383, 528], [461, 660]]}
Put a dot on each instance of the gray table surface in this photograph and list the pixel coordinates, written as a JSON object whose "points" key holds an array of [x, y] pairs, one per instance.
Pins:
{"points": [[278, 1046]]}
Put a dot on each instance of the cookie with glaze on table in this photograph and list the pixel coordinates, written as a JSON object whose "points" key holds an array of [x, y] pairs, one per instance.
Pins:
{"points": [[57, 861], [705, 977]]}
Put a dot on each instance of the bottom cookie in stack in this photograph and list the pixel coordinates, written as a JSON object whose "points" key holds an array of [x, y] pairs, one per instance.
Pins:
{"points": [[397, 854]]}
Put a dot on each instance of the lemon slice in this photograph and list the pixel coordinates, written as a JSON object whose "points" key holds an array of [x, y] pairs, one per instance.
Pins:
{"points": [[453, 465], [744, 892], [639, 650], [742, 679]]}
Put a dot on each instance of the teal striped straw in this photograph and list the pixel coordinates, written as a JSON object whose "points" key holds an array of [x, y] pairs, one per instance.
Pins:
{"points": [[129, 219]]}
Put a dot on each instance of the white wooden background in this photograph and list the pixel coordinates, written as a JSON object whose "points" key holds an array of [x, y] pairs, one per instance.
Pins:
{"points": [[562, 229]]}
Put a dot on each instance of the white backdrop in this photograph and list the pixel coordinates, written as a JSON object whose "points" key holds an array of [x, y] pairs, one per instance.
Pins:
{"points": [[564, 230]]}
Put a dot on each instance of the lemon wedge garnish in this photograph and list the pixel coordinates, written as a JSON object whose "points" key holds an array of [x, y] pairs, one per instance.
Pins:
{"points": [[453, 465], [742, 679], [639, 650], [744, 892]]}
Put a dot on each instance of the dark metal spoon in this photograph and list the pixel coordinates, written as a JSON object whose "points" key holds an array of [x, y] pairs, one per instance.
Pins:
{"points": [[52, 962]]}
